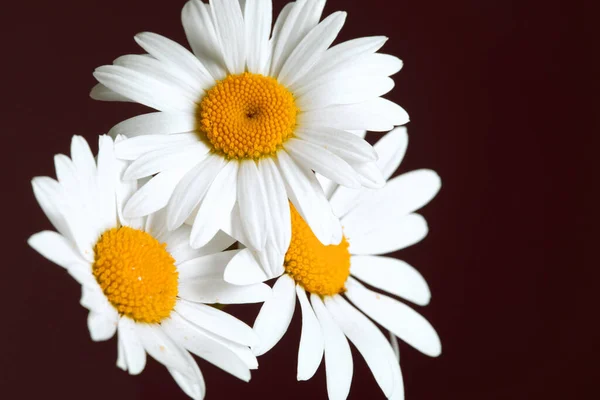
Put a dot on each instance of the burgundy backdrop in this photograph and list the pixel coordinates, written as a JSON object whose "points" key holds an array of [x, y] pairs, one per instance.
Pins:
{"points": [[496, 109]]}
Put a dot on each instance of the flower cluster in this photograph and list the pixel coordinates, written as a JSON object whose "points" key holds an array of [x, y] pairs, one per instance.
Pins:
{"points": [[253, 167]]}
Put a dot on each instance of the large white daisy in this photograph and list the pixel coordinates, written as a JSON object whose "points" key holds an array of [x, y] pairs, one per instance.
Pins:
{"points": [[375, 222], [140, 279], [245, 119]]}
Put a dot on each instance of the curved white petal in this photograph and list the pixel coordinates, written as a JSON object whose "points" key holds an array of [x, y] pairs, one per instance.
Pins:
{"points": [[102, 93], [338, 358], [279, 222], [134, 355], [57, 249], [342, 90], [367, 338], [310, 352], [398, 234], [393, 276], [135, 147], [156, 123], [275, 315], [252, 200], [218, 291], [230, 29], [163, 348], [194, 386], [257, 19], [243, 269], [208, 267], [397, 317], [103, 325]]}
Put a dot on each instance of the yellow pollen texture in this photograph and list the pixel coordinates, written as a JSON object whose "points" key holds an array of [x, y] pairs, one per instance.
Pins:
{"points": [[318, 268], [247, 116], [136, 274]]}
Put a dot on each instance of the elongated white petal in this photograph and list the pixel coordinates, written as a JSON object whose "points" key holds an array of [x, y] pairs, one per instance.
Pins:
{"points": [[143, 89], [134, 355], [194, 385], [102, 93], [257, 19], [163, 348], [279, 222], [342, 143], [343, 53], [217, 322], [200, 31], [57, 249], [391, 149], [107, 181], [191, 190], [131, 149], [209, 267], [342, 90], [165, 159], [252, 199], [338, 358], [368, 174], [102, 325], [311, 48], [317, 158], [310, 352], [367, 338], [156, 123], [364, 115], [195, 339], [244, 270], [398, 234], [154, 195], [230, 29], [218, 291], [397, 317], [216, 205], [307, 196], [392, 275], [275, 315], [47, 192], [177, 56]]}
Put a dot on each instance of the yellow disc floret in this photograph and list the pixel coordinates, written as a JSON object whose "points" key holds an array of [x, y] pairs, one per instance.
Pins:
{"points": [[317, 268], [136, 274], [247, 116]]}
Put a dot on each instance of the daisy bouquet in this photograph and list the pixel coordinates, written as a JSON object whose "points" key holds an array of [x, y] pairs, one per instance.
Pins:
{"points": [[250, 182]]}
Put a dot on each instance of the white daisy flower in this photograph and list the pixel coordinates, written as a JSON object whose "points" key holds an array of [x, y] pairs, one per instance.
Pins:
{"points": [[245, 119], [374, 222], [140, 279]]}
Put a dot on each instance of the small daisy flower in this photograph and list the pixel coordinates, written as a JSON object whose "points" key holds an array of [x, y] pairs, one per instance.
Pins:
{"points": [[325, 278], [140, 279], [245, 119]]}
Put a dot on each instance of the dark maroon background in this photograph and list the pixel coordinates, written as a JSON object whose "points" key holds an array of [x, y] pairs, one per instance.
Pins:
{"points": [[499, 107]]}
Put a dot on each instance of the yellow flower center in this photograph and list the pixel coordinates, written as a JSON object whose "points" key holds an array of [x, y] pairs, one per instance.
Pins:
{"points": [[136, 274], [247, 116], [317, 268]]}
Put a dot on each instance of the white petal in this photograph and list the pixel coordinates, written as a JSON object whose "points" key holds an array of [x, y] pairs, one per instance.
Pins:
{"points": [[102, 93], [395, 346], [398, 234], [47, 192], [216, 205], [391, 149], [279, 206], [155, 194], [194, 386], [143, 89], [197, 341], [218, 291], [134, 353], [317, 158], [166, 158], [57, 249], [312, 344], [338, 358], [275, 315], [397, 317], [156, 123], [191, 189], [244, 270], [367, 338], [163, 348], [103, 325], [257, 18], [218, 322], [343, 53], [368, 174], [374, 115], [311, 48], [200, 31], [393, 276], [107, 180], [342, 143], [307, 196], [230, 29], [133, 148], [177, 56], [400, 196], [209, 267], [295, 25], [252, 199], [342, 90]]}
